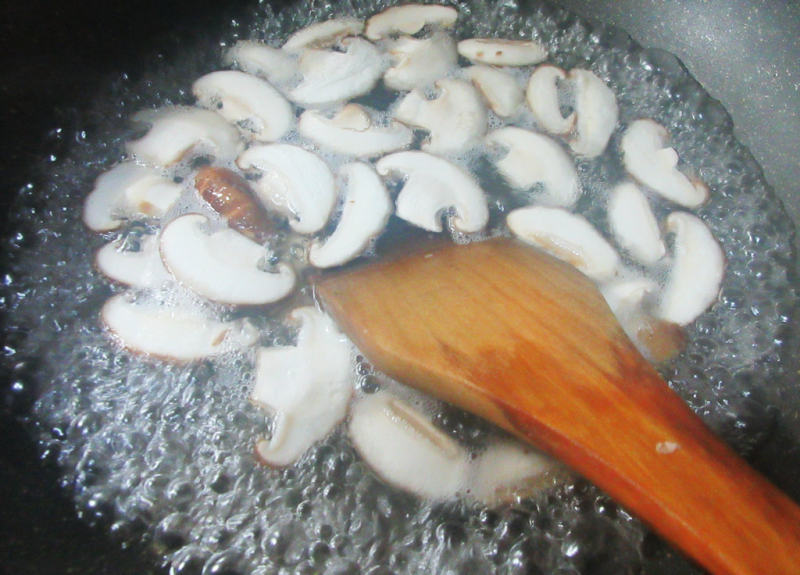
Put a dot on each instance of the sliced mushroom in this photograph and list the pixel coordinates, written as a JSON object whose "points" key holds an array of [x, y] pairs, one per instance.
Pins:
{"points": [[323, 34], [367, 207], [330, 76], [173, 333], [630, 300], [697, 271], [141, 268], [409, 19], [230, 196], [307, 387], [223, 266], [651, 162], [177, 131], [634, 225], [627, 296], [405, 449], [567, 236], [508, 470], [533, 159], [273, 64], [295, 181], [351, 131], [501, 52], [595, 107], [420, 62], [247, 101], [597, 110], [543, 98], [499, 88], [456, 119], [128, 189], [432, 185]]}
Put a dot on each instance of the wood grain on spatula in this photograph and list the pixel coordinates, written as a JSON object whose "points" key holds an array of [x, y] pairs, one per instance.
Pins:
{"points": [[524, 340]]}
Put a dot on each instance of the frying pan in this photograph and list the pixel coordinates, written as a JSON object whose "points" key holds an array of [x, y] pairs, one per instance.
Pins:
{"points": [[55, 54]]}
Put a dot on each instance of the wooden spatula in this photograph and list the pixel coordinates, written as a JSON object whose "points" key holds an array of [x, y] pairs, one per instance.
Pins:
{"points": [[524, 340]]}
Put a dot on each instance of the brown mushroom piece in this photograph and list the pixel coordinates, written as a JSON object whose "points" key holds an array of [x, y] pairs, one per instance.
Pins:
{"points": [[231, 196]]}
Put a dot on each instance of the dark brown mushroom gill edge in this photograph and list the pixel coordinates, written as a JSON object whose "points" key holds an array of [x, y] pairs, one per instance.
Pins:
{"points": [[56, 54]]}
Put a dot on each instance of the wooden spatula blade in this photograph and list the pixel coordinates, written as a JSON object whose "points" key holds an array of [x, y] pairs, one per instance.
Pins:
{"points": [[527, 342]]}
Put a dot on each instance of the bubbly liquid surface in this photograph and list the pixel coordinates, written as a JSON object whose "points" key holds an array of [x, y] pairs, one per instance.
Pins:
{"points": [[164, 452]]}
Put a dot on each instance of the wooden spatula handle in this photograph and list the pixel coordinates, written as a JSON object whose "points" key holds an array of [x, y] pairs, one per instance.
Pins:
{"points": [[671, 471], [523, 340]]}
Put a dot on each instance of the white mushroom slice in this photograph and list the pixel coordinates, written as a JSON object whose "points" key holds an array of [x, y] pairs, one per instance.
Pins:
{"points": [[508, 469], [627, 296], [306, 387], [223, 266], [456, 119], [352, 132], [128, 189], [330, 76], [409, 19], [631, 301], [634, 225], [568, 237], [177, 131], [367, 207], [141, 269], [420, 62], [246, 100], [323, 34], [499, 88], [501, 52], [176, 333], [532, 159], [432, 185], [696, 273], [648, 159], [543, 98], [295, 181], [596, 107], [273, 64], [405, 449]]}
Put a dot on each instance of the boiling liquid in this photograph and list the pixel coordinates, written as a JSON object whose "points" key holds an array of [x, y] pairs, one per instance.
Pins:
{"points": [[164, 452]]}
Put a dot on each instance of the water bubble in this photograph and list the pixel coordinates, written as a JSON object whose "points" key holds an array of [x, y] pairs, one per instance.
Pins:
{"points": [[223, 563], [188, 561]]}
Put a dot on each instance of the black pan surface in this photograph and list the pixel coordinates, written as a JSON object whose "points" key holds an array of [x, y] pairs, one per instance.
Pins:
{"points": [[744, 52]]}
